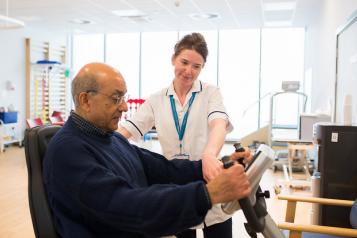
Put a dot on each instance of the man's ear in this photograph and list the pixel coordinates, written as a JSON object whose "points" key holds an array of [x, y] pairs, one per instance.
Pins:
{"points": [[83, 101]]}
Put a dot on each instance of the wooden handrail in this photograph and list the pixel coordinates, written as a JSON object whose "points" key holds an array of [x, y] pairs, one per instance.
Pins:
{"points": [[323, 201], [338, 231]]}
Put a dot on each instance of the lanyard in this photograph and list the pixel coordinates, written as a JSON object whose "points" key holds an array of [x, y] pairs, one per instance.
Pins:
{"points": [[181, 131]]}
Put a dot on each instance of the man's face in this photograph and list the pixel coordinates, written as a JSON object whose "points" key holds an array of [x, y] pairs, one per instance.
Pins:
{"points": [[108, 102]]}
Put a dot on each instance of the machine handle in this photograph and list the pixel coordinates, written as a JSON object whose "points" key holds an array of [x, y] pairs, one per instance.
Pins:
{"points": [[256, 223], [239, 148]]}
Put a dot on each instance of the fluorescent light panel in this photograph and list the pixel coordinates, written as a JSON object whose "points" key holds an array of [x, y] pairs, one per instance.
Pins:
{"points": [[279, 6], [129, 13], [202, 16], [10, 23], [277, 23], [81, 21]]}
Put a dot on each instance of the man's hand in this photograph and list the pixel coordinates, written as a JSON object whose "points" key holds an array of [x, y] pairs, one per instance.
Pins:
{"points": [[211, 167], [231, 184]]}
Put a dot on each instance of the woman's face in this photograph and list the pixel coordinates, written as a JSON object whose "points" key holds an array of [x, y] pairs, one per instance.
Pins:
{"points": [[188, 65]]}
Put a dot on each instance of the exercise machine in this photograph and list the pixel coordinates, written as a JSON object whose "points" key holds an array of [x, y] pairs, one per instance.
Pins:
{"points": [[254, 206]]}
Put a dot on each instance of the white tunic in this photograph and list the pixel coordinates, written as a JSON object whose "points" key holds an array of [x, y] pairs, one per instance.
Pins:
{"points": [[156, 111]]}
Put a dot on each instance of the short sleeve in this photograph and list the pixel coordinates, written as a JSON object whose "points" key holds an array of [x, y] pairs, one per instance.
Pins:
{"points": [[216, 109], [141, 122]]}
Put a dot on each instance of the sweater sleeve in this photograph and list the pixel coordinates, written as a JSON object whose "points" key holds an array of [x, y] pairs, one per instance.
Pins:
{"points": [[157, 210], [160, 170]]}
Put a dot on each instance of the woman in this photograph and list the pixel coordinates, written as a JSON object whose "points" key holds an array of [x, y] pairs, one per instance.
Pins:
{"points": [[191, 123]]}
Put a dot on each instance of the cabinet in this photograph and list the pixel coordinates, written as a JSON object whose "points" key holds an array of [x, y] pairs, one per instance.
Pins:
{"points": [[337, 165], [9, 135]]}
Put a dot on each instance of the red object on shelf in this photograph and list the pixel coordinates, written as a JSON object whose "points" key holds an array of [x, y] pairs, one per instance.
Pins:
{"points": [[30, 123], [56, 118], [133, 106]]}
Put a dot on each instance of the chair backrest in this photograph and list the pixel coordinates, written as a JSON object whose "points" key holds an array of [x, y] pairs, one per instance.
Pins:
{"points": [[36, 141]]}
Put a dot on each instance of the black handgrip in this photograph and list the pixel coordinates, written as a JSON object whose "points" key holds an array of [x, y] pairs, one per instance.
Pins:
{"points": [[227, 162], [239, 148]]}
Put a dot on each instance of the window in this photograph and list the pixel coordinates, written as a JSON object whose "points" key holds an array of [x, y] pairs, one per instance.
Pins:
{"points": [[248, 65], [239, 78], [157, 71], [123, 53], [87, 49], [282, 60]]}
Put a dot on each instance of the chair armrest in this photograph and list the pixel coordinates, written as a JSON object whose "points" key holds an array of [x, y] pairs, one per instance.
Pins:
{"points": [[337, 231]]}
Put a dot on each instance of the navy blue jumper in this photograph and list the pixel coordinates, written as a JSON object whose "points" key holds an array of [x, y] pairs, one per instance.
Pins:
{"points": [[102, 186]]}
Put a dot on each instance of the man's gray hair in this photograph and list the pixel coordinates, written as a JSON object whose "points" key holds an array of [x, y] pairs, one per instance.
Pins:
{"points": [[83, 83]]}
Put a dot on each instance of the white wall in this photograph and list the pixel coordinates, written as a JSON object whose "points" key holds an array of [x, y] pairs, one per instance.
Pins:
{"points": [[321, 50], [12, 67]]}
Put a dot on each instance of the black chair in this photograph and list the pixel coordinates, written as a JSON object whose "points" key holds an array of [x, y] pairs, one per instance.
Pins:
{"points": [[36, 141]]}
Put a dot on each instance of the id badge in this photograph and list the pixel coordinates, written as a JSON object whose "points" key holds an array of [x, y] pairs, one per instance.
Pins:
{"points": [[181, 156]]}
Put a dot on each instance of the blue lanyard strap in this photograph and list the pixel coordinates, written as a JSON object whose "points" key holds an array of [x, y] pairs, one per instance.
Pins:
{"points": [[181, 131]]}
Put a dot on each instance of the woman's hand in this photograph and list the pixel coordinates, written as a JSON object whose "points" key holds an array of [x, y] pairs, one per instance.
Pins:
{"points": [[246, 155], [211, 167]]}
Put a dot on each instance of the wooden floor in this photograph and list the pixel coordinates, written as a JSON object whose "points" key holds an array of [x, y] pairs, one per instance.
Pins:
{"points": [[15, 219]]}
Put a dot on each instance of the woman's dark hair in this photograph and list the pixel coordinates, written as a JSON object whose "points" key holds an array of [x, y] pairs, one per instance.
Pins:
{"points": [[194, 41]]}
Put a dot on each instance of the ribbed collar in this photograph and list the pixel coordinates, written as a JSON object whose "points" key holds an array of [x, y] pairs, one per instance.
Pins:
{"points": [[88, 127]]}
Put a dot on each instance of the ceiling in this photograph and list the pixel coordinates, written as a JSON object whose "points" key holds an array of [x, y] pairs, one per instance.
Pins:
{"points": [[158, 15]]}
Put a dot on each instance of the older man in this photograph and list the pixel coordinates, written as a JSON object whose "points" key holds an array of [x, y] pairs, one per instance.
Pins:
{"points": [[99, 185]]}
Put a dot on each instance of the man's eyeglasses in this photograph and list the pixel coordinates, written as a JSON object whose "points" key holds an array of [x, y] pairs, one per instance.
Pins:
{"points": [[116, 99]]}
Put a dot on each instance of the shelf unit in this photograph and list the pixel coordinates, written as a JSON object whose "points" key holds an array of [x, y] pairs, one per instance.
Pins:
{"points": [[47, 83]]}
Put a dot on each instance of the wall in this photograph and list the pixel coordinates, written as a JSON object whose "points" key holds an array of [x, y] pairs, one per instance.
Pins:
{"points": [[12, 67], [321, 50]]}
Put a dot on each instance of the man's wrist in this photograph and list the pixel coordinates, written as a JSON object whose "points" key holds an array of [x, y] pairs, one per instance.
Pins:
{"points": [[208, 197]]}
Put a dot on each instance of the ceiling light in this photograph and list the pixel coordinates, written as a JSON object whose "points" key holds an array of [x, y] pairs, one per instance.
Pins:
{"points": [[7, 22], [277, 23], [129, 13], [202, 16], [140, 19], [81, 21], [279, 6], [10, 23]]}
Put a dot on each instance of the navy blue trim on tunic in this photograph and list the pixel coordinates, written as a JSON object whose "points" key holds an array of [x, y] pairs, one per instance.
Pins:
{"points": [[135, 127], [215, 112]]}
